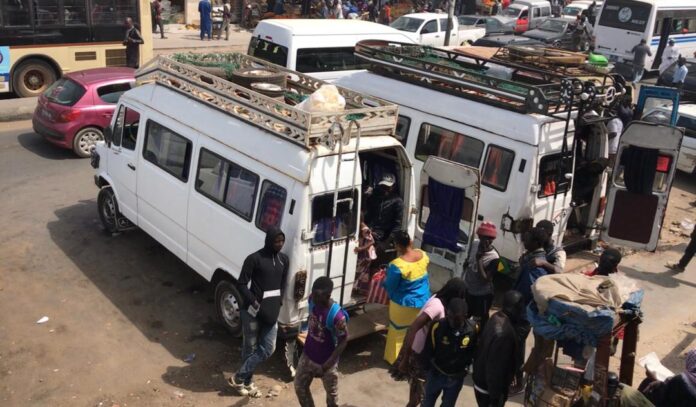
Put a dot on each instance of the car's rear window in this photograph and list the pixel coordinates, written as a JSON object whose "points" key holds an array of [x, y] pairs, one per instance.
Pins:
{"points": [[111, 93], [65, 92]]}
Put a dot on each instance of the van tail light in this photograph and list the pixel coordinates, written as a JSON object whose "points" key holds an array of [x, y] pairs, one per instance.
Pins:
{"points": [[663, 163], [68, 116]]}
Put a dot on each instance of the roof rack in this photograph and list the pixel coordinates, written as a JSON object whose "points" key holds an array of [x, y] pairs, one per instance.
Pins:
{"points": [[374, 116], [531, 89]]}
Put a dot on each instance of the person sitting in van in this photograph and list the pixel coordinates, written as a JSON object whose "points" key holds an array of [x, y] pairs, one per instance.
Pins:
{"points": [[261, 284], [384, 209]]}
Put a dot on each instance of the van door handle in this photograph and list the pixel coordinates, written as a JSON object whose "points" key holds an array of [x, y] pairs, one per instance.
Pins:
{"points": [[131, 166]]}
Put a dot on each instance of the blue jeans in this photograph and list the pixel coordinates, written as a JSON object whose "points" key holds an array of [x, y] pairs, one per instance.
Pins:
{"points": [[437, 383], [257, 346], [638, 72]]}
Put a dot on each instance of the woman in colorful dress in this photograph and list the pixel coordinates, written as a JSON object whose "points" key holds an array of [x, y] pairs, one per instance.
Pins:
{"points": [[408, 288]]}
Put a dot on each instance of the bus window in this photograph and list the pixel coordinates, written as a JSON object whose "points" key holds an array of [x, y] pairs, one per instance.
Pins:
{"points": [[15, 13], [322, 217], [497, 167], [625, 15], [268, 51], [552, 171], [434, 140]]}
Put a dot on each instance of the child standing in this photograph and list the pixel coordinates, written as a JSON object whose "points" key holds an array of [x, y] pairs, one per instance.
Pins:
{"points": [[326, 339], [366, 254], [450, 349]]}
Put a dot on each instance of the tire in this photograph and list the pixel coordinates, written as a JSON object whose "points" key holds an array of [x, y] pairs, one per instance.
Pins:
{"points": [[85, 140], [32, 78], [228, 305], [108, 210], [245, 77]]}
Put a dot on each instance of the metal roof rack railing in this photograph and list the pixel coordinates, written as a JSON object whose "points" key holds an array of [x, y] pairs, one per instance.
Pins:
{"points": [[531, 89], [375, 116]]}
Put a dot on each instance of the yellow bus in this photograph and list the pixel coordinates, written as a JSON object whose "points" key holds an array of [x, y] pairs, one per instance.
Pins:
{"points": [[40, 40]]}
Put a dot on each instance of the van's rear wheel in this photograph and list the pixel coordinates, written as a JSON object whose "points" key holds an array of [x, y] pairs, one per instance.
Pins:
{"points": [[108, 209], [228, 305], [32, 78]]}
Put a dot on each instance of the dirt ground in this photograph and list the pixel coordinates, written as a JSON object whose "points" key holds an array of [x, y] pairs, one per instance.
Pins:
{"points": [[124, 313]]}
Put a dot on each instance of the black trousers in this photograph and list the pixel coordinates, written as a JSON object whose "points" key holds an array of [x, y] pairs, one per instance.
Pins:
{"points": [[160, 24], [689, 252], [479, 306], [483, 400]]}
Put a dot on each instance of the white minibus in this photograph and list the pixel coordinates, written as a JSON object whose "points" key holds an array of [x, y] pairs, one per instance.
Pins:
{"points": [[532, 166], [206, 167], [320, 48], [623, 23]]}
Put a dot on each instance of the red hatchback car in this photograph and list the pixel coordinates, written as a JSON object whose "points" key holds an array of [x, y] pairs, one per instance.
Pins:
{"points": [[73, 112]]}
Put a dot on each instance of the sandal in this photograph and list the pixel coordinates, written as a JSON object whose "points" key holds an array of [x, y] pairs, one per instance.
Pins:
{"points": [[238, 386], [253, 391]]}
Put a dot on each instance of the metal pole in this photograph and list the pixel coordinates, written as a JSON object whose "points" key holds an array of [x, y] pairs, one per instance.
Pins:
{"points": [[356, 163], [450, 22], [335, 197]]}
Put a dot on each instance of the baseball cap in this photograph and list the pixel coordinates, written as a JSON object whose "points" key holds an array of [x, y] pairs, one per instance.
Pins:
{"points": [[388, 180]]}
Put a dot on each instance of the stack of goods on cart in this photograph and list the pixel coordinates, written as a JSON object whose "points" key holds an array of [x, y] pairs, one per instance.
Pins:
{"points": [[573, 312]]}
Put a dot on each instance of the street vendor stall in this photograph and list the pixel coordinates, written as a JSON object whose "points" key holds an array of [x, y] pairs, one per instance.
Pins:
{"points": [[583, 317]]}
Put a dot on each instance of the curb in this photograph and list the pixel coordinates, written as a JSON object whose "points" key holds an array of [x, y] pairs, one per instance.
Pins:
{"points": [[17, 109]]}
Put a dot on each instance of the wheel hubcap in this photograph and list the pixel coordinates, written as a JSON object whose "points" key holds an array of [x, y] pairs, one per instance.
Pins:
{"points": [[88, 140], [34, 79], [109, 210], [230, 310]]}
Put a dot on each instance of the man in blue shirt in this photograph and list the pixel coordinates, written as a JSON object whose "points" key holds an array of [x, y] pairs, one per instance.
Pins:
{"points": [[680, 74]]}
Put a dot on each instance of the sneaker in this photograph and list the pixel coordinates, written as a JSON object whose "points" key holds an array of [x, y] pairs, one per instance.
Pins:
{"points": [[252, 390], [675, 267], [238, 386]]}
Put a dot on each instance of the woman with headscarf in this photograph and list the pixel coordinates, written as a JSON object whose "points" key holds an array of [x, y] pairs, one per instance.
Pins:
{"points": [[676, 391], [408, 288]]}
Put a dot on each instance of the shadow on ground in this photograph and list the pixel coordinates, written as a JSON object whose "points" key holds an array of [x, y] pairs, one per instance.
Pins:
{"points": [[171, 304], [39, 146]]}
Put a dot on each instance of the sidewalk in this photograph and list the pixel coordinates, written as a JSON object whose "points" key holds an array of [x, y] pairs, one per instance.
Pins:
{"points": [[17, 109], [181, 39]]}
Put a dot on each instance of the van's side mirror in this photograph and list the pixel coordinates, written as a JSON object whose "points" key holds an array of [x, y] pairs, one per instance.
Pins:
{"points": [[108, 135]]}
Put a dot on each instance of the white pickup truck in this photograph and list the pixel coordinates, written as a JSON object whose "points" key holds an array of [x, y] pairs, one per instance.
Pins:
{"points": [[430, 29]]}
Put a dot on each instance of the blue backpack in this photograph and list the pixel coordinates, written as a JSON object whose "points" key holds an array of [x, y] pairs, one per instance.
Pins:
{"points": [[331, 317]]}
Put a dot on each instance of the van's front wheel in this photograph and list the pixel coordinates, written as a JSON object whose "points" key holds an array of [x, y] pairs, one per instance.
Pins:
{"points": [[108, 209], [228, 305]]}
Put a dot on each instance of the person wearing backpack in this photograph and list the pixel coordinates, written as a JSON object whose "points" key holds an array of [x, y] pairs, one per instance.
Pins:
{"points": [[450, 351], [327, 336]]}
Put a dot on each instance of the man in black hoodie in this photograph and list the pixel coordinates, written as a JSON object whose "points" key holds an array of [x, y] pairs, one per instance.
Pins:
{"points": [[497, 360], [261, 284]]}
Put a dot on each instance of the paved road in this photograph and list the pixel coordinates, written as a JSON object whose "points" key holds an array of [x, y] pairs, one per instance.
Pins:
{"points": [[124, 312]]}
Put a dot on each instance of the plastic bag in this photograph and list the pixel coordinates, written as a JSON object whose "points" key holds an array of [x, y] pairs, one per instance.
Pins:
{"points": [[325, 99]]}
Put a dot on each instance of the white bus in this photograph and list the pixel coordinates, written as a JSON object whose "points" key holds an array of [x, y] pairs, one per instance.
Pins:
{"points": [[623, 23]]}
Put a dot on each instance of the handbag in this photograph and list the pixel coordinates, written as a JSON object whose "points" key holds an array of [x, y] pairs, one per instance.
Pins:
{"points": [[377, 294]]}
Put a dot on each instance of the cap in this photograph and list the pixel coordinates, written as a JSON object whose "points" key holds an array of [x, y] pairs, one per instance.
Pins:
{"points": [[387, 180], [671, 41], [487, 229]]}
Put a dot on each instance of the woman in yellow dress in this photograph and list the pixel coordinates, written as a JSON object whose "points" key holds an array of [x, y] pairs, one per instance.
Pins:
{"points": [[408, 287]]}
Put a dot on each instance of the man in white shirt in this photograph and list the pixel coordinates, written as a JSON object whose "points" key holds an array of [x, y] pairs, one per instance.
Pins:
{"points": [[680, 74], [669, 56], [614, 128]]}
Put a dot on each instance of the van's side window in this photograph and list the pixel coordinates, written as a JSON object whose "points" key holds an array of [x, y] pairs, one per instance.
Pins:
{"points": [[552, 171], [167, 150], [271, 206], [497, 167], [125, 133], [545, 11], [433, 140], [328, 59], [403, 126], [464, 222], [537, 12], [322, 216], [227, 183]]}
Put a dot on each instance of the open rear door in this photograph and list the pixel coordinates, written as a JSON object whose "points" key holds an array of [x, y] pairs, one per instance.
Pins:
{"points": [[447, 207], [641, 181]]}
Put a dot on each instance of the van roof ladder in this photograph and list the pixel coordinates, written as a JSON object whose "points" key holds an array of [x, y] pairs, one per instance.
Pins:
{"points": [[535, 88], [375, 116]]}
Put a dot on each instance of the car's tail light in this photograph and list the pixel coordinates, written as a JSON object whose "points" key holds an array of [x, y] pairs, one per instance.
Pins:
{"points": [[68, 116]]}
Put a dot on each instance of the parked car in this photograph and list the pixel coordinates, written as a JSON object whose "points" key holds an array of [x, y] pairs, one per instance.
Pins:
{"points": [[73, 112], [689, 88], [559, 32], [574, 9], [687, 119], [528, 14], [505, 40], [430, 28], [493, 25]]}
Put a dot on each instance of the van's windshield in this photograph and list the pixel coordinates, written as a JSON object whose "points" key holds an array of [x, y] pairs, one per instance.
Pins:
{"points": [[268, 51]]}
